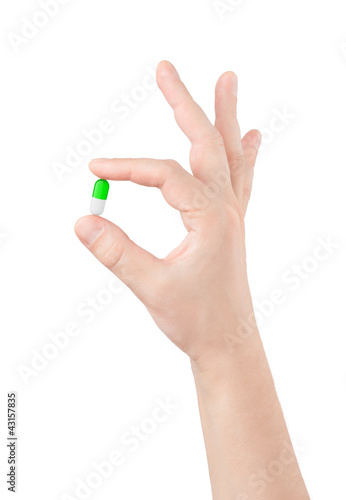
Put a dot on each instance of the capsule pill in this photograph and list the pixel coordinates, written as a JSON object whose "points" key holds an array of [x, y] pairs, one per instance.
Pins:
{"points": [[99, 197]]}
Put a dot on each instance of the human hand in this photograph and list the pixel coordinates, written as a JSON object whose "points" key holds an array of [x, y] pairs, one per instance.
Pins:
{"points": [[199, 292]]}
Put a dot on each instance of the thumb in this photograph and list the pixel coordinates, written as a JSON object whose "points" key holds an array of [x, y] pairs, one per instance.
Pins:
{"points": [[133, 265]]}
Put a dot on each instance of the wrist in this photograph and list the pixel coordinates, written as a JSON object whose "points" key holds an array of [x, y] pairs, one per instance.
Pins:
{"points": [[240, 344], [240, 375]]}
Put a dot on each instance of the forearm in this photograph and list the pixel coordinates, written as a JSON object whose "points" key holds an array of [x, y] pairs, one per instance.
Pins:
{"points": [[248, 447]]}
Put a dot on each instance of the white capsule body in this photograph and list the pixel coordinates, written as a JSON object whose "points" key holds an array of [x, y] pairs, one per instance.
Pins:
{"points": [[97, 206]]}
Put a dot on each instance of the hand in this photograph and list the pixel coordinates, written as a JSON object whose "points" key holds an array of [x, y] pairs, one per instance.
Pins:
{"points": [[199, 292], [199, 295]]}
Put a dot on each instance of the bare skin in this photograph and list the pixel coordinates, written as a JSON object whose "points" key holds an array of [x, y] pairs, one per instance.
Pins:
{"points": [[199, 295]]}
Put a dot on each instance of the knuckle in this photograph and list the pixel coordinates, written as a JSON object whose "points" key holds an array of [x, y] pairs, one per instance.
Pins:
{"points": [[229, 216], [172, 165], [213, 139], [234, 219], [250, 154], [237, 163], [183, 106], [113, 254], [216, 137], [196, 159]]}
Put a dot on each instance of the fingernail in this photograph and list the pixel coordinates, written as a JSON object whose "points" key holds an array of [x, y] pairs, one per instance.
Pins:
{"points": [[88, 230], [97, 160], [235, 85]]}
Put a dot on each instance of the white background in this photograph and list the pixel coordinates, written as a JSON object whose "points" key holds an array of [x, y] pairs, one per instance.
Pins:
{"points": [[288, 55]]}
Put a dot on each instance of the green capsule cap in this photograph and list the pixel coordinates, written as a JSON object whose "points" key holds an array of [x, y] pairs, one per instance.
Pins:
{"points": [[101, 189]]}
